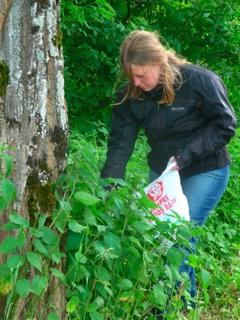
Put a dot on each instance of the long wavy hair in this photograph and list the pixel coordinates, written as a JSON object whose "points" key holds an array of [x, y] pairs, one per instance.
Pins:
{"points": [[144, 48]]}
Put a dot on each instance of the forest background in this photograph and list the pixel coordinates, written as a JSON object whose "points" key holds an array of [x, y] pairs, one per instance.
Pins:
{"points": [[116, 267], [204, 32]]}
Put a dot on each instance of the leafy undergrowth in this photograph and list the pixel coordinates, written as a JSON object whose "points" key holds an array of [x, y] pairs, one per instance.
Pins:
{"points": [[119, 269], [220, 250], [118, 265]]}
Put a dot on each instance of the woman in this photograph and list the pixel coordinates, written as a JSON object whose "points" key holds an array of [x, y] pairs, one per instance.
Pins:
{"points": [[186, 116]]}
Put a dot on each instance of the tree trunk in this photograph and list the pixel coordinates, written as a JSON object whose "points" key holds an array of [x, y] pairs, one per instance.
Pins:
{"points": [[33, 118]]}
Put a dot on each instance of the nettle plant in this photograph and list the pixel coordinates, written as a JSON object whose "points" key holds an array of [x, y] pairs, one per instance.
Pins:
{"points": [[31, 252], [7, 194], [117, 264]]}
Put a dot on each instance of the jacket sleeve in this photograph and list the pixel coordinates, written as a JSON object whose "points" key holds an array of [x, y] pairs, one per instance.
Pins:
{"points": [[121, 141], [220, 121]]}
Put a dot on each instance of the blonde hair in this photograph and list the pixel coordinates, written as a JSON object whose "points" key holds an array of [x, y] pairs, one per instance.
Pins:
{"points": [[143, 48]]}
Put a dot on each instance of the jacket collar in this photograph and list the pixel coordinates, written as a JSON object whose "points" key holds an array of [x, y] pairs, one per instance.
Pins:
{"points": [[155, 93]]}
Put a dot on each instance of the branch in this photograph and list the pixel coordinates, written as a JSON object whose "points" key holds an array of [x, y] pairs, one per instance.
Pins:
{"points": [[4, 8]]}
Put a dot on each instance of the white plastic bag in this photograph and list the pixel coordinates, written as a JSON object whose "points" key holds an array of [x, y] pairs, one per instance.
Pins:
{"points": [[166, 192]]}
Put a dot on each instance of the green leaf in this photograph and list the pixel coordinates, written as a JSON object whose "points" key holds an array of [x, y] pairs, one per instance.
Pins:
{"points": [[205, 277], [4, 272], [113, 241], [35, 233], [39, 246], [80, 258], [169, 273], [8, 191], [100, 247], [9, 244], [175, 256], [146, 202], [141, 227], [65, 205], [160, 296], [39, 284], [41, 221], [89, 217], [23, 287], [15, 261], [101, 228], [34, 260], [21, 239], [73, 241], [52, 316], [103, 274], [56, 256], [99, 302], [126, 296], [125, 284], [194, 260], [76, 227], [86, 198], [2, 204], [8, 164], [57, 273], [61, 220], [49, 236], [17, 219], [96, 316], [9, 227], [72, 304]]}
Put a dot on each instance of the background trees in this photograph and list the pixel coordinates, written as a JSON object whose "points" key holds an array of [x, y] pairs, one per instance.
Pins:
{"points": [[205, 32]]}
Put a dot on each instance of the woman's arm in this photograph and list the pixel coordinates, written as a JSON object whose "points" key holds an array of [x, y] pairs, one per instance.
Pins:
{"points": [[220, 120], [121, 141]]}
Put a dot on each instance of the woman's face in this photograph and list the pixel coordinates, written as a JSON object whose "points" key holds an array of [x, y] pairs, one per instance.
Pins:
{"points": [[146, 76]]}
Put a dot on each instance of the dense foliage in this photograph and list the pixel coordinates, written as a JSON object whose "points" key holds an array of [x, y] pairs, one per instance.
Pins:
{"points": [[205, 32], [118, 265]]}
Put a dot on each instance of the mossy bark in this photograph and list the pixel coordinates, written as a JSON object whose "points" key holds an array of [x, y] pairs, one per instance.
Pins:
{"points": [[4, 77], [33, 116]]}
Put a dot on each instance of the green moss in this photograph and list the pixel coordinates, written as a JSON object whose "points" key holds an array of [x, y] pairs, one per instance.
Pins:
{"points": [[57, 39], [41, 196], [4, 77]]}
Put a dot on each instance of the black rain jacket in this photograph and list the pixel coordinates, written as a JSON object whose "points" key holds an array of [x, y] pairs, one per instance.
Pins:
{"points": [[194, 129]]}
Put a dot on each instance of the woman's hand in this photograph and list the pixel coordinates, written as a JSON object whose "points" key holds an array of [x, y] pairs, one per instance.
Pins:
{"points": [[175, 166]]}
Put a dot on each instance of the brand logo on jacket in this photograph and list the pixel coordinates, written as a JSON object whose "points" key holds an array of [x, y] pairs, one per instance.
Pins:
{"points": [[177, 108]]}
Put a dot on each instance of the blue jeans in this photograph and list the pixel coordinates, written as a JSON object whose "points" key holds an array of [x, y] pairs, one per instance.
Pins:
{"points": [[203, 192]]}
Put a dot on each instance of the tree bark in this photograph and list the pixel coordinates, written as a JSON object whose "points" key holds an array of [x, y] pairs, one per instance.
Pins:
{"points": [[33, 117]]}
